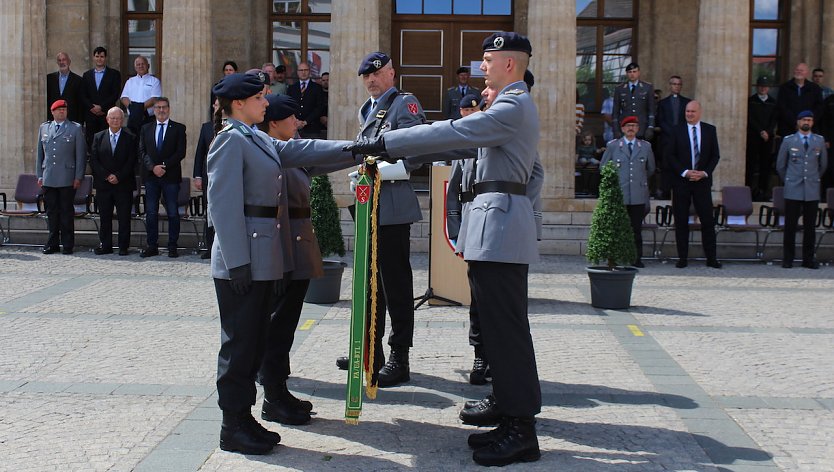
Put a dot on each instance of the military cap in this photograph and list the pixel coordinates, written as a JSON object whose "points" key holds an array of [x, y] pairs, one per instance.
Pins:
{"points": [[763, 81], [280, 68], [280, 107], [373, 62], [462, 70], [628, 120], [801, 115], [261, 75], [58, 104], [237, 86], [470, 100], [529, 79], [632, 66], [508, 41]]}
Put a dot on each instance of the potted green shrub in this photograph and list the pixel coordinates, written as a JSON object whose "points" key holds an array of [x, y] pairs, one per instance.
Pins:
{"points": [[612, 242], [328, 228]]}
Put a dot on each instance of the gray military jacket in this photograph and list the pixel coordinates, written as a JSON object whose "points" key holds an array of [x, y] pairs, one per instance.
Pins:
{"points": [[800, 170], [245, 169], [634, 170], [62, 154], [498, 227], [640, 104], [397, 201]]}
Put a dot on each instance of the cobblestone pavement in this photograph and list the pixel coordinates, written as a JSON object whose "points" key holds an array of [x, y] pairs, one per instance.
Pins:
{"points": [[108, 363]]}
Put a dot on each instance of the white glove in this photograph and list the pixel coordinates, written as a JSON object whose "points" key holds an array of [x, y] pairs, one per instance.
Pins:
{"points": [[354, 178], [396, 171]]}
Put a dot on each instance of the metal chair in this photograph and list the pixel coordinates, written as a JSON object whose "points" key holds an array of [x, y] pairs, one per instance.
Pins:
{"points": [[733, 213], [29, 203]]}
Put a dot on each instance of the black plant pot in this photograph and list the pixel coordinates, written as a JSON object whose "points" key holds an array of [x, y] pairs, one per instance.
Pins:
{"points": [[327, 289], [611, 289]]}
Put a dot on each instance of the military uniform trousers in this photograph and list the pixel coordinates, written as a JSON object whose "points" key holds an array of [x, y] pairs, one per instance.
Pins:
{"points": [[243, 318], [60, 216], [698, 193], [275, 367], [793, 210], [501, 291], [395, 286], [636, 213], [106, 200]]}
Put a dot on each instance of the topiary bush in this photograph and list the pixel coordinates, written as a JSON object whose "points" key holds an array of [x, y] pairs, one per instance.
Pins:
{"points": [[325, 216], [610, 239]]}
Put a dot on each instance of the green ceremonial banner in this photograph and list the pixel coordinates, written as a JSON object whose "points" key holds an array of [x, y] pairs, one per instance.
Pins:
{"points": [[359, 306]]}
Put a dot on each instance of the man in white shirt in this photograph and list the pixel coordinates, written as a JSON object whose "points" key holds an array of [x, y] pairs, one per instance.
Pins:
{"points": [[139, 95]]}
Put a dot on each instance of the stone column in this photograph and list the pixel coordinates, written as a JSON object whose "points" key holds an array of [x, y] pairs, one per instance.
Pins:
{"points": [[722, 69], [23, 88], [186, 67], [552, 32], [827, 46], [356, 31]]}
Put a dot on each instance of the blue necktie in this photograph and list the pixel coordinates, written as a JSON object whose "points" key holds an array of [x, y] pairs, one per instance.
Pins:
{"points": [[805, 139], [159, 136], [696, 156], [630, 148]]}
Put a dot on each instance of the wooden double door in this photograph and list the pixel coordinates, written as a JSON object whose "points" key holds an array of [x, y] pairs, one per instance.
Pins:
{"points": [[427, 54]]}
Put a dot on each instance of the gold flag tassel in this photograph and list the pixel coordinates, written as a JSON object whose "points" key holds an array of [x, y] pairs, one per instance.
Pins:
{"points": [[371, 386]]}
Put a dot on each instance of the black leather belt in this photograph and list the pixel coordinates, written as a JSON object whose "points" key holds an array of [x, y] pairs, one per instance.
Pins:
{"points": [[466, 197], [256, 211], [299, 213], [499, 186]]}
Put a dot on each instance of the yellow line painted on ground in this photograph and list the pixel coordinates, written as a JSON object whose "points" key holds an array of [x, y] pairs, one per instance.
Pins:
{"points": [[307, 325], [635, 330]]}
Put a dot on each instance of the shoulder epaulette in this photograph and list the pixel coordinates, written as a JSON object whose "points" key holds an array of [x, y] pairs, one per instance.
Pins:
{"points": [[405, 93], [613, 140], [515, 92], [226, 128]]}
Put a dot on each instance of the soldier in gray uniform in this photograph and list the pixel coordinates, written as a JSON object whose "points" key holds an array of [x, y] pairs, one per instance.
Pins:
{"points": [[635, 98], [389, 109], [280, 405], [801, 162], [507, 135], [247, 263], [635, 164], [60, 165]]}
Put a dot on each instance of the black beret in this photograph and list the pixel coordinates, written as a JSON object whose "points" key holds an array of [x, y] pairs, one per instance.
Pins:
{"points": [[237, 86], [632, 66], [280, 68], [762, 81], [462, 70], [373, 62], [280, 107], [470, 100], [529, 79], [261, 75], [508, 41]]}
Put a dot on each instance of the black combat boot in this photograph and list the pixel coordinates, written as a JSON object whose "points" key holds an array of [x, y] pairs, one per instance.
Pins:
{"points": [[479, 440], [517, 442], [395, 371], [238, 434], [473, 403], [480, 374], [483, 413], [280, 406]]}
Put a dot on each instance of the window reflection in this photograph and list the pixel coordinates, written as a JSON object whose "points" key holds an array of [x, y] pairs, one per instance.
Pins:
{"points": [[766, 10], [765, 42]]}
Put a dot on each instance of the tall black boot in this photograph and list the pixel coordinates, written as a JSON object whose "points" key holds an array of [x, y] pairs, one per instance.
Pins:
{"points": [[238, 434], [281, 406], [517, 442], [480, 374], [396, 370]]}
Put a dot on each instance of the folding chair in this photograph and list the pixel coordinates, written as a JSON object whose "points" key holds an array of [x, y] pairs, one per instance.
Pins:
{"points": [[734, 211], [29, 203], [826, 218], [83, 202], [773, 217]]}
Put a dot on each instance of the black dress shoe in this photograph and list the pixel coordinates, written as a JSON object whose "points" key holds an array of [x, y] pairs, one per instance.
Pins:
{"points": [[516, 443], [396, 370], [149, 252], [681, 263], [50, 250], [787, 265], [342, 362], [714, 264], [123, 252], [811, 265], [238, 434], [284, 413], [473, 403], [480, 374], [485, 413], [100, 250], [639, 264], [66, 251], [173, 252]]}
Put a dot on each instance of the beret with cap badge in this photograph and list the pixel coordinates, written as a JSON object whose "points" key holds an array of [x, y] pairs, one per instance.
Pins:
{"points": [[280, 107], [373, 62], [237, 86], [470, 100], [507, 41]]}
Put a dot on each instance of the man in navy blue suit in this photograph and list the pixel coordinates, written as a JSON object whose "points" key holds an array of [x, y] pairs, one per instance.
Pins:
{"points": [[311, 97]]}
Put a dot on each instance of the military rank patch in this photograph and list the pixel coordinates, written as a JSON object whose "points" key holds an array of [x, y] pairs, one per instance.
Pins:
{"points": [[514, 92], [412, 107]]}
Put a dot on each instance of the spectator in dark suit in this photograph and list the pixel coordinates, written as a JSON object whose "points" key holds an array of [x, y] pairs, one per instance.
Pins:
{"points": [[692, 155], [796, 95], [64, 84], [201, 175], [161, 150], [761, 127], [670, 113], [325, 86], [100, 88], [311, 97], [113, 159]]}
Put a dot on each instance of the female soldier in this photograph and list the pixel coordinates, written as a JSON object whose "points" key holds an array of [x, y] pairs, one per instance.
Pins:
{"points": [[245, 207], [279, 404]]}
